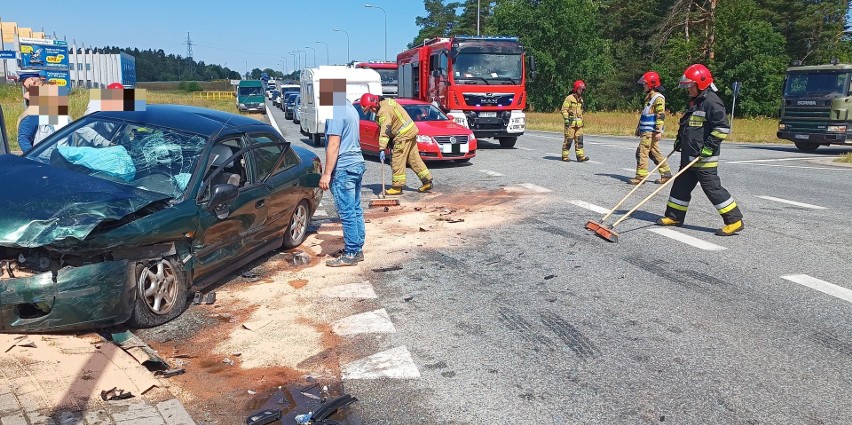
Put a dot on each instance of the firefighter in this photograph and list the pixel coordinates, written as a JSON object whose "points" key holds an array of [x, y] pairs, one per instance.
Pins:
{"points": [[650, 130], [572, 111], [703, 128], [396, 124]]}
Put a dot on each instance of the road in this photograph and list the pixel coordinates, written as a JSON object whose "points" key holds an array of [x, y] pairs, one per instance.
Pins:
{"points": [[538, 321]]}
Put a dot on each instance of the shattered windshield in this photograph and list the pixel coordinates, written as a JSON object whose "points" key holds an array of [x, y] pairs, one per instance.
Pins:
{"points": [[501, 68], [425, 113], [143, 156]]}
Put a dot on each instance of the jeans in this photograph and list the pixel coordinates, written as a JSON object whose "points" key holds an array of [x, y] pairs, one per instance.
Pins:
{"points": [[346, 190]]}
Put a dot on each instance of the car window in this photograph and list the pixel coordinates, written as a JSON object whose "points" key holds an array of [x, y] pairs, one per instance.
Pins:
{"points": [[369, 116], [265, 157], [291, 159], [425, 113], [233, 172]]}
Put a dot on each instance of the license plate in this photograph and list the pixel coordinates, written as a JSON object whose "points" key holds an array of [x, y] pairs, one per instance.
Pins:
{"points": [[802, 136], [488, 114], [454, 148]]}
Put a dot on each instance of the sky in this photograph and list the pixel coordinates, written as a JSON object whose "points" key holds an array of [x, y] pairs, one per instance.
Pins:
{"points": [[236, 34]]}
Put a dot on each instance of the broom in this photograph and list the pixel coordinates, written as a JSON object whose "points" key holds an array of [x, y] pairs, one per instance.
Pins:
{"points": [[381, 200]]}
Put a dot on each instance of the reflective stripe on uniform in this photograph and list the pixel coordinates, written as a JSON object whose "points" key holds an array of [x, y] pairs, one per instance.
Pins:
{"points": [[705, 165], [408, 126], [726, 206], [674, 206], [719, 135]]}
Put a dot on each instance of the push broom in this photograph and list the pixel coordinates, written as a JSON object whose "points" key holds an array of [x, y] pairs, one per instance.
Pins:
{"points": [[595, 225], [381, 200], [609, 233]]}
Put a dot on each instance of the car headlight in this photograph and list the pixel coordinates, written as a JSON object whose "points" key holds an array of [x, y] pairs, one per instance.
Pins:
{"points": [[242, 105], [836, 129], [782, 126], [424, 139]]}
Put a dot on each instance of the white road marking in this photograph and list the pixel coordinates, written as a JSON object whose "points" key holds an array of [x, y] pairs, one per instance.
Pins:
{"points": [[752, 161], [590, 207], [535, 188], [492, 173], [523, 148], [394, 363], [802, 167], [821, 285], [689, 240], [350, 290], [594, 162], [798, 204], [272, 121], [376, 321]]}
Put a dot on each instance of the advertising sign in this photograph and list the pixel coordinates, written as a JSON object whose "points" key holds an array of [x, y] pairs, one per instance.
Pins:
{"points": [[38, 53], [7, 54], [59, 78]]}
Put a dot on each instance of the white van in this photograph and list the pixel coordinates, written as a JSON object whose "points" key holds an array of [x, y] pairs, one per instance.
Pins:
{"points": [[313, 116]]}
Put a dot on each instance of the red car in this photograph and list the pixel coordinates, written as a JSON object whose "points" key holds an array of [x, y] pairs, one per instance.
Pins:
{"points": [[439, 138]]}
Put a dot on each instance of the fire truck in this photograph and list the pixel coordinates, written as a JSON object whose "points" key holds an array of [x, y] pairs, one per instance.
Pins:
{"points": [[386, 70], [479, 81]]}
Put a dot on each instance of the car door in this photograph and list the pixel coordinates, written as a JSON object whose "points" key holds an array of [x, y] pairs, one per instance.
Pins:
{"points": [[268, 154], [231, 231], [368, 130]]}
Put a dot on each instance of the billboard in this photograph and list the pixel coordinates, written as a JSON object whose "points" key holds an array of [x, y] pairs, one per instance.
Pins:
{"points": [[37, 53]]}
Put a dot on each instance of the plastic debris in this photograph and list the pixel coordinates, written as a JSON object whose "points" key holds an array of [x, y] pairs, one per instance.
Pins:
{"points": [[170, 372], [387, 269], [115, 394]]}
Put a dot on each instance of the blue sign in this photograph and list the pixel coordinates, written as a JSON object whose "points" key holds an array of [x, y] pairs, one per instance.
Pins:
{"points": [[43, 54], [7, 54], [61, 79], [737, 86]]}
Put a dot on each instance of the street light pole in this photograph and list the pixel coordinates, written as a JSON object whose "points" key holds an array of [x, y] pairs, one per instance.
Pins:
{"points": [[477, 17], [294, 61], [326, 50], [347, 43], [315, 55], [386, 26]]}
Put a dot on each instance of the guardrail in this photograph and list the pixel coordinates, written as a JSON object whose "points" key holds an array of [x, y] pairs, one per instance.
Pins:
{"points": [[214, 94]]}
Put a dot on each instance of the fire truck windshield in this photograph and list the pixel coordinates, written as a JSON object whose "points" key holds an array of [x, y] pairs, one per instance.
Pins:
{"points": [[389, 76], [502, 68]]}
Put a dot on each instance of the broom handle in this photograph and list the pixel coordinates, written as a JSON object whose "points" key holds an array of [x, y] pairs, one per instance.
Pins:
{"points": [[662, 186], [383, 179], [637, 186]]}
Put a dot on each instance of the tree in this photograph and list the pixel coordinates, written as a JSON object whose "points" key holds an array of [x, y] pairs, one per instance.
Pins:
{"points": [[440, 21], [466, 22]]}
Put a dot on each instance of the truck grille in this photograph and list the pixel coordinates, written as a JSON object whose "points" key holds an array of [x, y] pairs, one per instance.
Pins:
{"points": [[489, 99], [810, 119], [451, 139]]}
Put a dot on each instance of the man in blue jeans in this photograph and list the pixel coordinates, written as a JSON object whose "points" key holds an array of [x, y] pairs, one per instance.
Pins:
{"points": [[344, 169]]}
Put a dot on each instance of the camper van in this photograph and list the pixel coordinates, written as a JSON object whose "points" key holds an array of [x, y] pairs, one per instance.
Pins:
{"points": [[313, 115]]}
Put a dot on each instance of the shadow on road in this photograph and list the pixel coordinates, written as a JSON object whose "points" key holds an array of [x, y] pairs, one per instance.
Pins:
{"points": [[823, 150], [615, 176]]}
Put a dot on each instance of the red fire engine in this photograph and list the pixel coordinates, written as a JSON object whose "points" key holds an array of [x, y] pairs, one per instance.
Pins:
{"points": [[388, 72], [480, 81]]}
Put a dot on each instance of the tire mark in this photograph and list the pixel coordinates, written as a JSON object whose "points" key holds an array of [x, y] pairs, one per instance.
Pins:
{"points": [[583, 347], [516, 323], [698, 281], [832, 342]]}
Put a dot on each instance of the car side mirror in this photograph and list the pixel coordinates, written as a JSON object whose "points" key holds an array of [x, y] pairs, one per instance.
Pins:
{"points": [[222, 194]]}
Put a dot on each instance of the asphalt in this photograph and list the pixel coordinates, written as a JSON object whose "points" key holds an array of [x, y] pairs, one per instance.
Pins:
{"points": [[539, 321]]}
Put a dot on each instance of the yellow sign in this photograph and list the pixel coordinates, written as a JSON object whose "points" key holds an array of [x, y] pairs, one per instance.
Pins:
{"points": [[9, 30], [55, 59], [57, 81], [26, 49]]}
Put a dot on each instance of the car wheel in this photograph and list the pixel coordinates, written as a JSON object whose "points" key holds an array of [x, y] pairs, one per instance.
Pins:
{"points": [[161, 293], [806, 146], [507, 142], [297, 228], [463, 160], [316, 139]]}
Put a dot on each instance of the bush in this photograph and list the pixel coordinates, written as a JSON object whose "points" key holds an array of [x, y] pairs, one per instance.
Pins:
{"points": [[189, 86]]}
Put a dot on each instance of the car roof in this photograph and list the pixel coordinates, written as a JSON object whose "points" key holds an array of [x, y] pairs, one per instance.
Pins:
{"points": [[189, 118]]}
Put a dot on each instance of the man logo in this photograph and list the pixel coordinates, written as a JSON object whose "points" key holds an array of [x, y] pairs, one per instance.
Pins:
{"points": [[452, 139]]}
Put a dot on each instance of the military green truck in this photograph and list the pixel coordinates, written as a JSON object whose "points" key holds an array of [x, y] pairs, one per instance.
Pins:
{"points": [[816, 106]]}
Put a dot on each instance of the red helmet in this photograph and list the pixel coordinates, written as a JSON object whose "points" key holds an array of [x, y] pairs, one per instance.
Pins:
{"points": [[115, 86], [369, 100], [650, 80], [697, 74], [579, 84]]}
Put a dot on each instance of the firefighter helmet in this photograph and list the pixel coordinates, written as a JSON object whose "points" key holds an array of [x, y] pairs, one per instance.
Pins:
{"points": [[115, 86], [697, 74], [650, 80], [368, 101], [579, 84]]}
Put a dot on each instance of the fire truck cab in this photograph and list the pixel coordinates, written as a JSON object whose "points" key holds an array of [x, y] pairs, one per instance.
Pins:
{"points": [[479, 81]]}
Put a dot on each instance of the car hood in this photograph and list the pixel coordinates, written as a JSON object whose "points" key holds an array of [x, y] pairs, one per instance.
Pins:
{"points": [[43, 205], [441, 128]]}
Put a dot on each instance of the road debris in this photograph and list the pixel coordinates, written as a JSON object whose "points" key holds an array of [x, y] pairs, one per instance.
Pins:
{"points": [[387, 269], [169, 372], [208, 298], [408, 298], [254, 326], [250, 275], [264, 417], [325, 411], [550, 276], [423, 230], [139, 350], [22, 343], [450, 220], [251, 392], [115, 394], [301, 258], [228, 361]]}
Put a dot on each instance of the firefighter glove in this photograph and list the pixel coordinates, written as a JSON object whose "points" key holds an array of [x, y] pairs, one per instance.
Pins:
{"points": [[382, 156], [677, 146], [706, 152]]}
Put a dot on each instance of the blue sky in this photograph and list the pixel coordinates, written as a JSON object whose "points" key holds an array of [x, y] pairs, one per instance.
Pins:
{"points": [[229, 33]]}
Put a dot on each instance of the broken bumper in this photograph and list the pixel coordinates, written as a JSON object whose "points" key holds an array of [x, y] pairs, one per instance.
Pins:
{"points": [[84, 297]]}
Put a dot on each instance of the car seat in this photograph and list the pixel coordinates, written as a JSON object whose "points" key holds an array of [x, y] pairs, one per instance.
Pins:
{"points": [[218, 155]]}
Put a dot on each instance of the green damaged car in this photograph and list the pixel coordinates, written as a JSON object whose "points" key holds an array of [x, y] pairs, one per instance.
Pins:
{"points": [[119, 216]]}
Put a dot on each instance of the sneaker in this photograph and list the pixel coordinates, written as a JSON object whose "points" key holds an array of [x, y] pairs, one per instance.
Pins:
{"points": [[343, 260], [662, 179], [731, 229], [427, 186], [359, 257], [394, 190], [665, 221], [634, 181], [583, 159]]}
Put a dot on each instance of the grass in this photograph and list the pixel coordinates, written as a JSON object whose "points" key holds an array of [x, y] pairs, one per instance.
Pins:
{"points": [[751, 130], [13, 106], [846, 158]]}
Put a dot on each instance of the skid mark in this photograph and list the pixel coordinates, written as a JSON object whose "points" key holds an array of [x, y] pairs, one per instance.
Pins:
{"points": [[578, 343]]}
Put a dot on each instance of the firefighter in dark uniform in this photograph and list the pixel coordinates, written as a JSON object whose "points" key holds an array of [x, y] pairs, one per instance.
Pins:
{"points": [[703, 128]]}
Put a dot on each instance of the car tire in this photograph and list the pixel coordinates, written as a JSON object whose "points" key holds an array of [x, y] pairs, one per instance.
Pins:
{"points": [[297, 226], [806, 146], [164, 279], [507, 142], [316, 139]]}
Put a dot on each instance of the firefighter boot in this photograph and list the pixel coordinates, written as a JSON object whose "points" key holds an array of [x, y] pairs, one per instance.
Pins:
{"points": [[427, 186], [731, 229], [665, 221], [394, 190], [663, 179], [635, 180]]}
